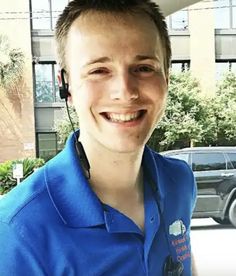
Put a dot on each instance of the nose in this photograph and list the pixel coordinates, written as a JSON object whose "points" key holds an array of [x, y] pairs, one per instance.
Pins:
{"points": [[125, 87]]}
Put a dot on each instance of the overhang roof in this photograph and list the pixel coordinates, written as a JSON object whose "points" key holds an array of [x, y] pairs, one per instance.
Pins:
{"points": [[170, 6]]}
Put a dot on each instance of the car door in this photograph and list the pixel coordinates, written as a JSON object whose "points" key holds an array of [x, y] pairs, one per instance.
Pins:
{"points": [[210, 171], [231, 173]]}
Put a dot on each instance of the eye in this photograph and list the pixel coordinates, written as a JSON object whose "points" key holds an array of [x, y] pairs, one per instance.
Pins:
{"points": [[144, 69], [99, 71]]}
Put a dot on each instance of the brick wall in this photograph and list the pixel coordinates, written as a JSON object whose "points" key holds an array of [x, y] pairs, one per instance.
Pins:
{"points": [[17, 130]]}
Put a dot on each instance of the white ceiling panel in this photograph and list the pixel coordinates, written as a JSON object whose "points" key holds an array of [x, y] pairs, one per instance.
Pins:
{"points": [[170, 6]]}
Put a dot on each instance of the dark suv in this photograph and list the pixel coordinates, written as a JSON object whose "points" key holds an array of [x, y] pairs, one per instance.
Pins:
{"points": [[215, 173]]}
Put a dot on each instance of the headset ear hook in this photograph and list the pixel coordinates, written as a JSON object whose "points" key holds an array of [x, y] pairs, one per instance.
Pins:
{"points": [[63, 86]]}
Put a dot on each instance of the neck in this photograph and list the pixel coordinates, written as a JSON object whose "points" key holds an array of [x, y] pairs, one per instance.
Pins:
{"points": [[117, 179], [113, 170]]}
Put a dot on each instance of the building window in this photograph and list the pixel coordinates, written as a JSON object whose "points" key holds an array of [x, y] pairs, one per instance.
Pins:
{"points": [[225, 14], [180, 66], [222, 67], [234, 14], [46, 86], [178, 20], [233, 67], [45, 13], [47, 145]]}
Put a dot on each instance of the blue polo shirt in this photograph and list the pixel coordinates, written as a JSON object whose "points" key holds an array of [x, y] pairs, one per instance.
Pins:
{"points": [[54, 224]]}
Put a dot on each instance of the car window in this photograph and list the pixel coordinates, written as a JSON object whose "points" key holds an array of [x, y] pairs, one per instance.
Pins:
{"points": [[208, 161], [181, 156], [232, 157]]}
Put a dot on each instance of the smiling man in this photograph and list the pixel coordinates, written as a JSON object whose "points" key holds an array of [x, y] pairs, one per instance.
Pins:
{"points": [[107, 204]]}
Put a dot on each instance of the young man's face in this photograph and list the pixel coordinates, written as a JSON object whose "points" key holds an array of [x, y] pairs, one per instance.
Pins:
{"points": [[116, 78]]}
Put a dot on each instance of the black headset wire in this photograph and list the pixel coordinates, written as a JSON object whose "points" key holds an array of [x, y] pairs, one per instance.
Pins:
{"points": [[64, 93], [71, 123], [79, 147], [171, 267]]}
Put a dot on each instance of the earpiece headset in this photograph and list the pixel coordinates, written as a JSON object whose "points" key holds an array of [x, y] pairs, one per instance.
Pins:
{"points": [[64, 94], [64, 87], [171, 267]]}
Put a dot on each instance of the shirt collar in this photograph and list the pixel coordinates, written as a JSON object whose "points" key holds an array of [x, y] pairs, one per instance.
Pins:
{"points": [[154, 172], [71, 194]]}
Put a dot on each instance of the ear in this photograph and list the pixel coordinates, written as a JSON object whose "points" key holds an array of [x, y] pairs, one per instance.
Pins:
{"points": [[167, 76], [59, 78]]}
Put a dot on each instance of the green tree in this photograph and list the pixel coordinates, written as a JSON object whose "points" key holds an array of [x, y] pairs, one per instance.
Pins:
{"points": [[183, 122], [225, 109], [7, 182], [44, 92], [11, 64], [63, 127]]}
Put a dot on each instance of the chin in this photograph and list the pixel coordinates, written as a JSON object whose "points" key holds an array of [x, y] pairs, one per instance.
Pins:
{"points": [[126, 147]]}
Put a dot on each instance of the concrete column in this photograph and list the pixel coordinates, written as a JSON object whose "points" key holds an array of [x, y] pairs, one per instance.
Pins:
{"points": [[202, 45]]}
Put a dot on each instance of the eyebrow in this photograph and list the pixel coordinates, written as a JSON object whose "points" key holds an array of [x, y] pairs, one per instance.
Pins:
{"points": [[97, 60], [107, 59], [144, 57]]}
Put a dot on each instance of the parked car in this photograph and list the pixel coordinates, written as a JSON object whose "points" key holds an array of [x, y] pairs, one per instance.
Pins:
{"points": [[214, 169]]}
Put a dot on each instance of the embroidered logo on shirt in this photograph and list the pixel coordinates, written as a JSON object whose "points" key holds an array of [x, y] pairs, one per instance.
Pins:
{"points": [[177, 228]]}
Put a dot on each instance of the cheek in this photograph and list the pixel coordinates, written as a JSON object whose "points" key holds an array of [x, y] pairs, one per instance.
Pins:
{"points": [[85, 96], [158, 93]]}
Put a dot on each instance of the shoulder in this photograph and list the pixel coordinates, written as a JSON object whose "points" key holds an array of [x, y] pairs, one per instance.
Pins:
{"points": [[175, 167], [174, 176]]}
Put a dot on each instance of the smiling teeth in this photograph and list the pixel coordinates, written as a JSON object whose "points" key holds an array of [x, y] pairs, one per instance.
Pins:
{"points": [[114, 117]]}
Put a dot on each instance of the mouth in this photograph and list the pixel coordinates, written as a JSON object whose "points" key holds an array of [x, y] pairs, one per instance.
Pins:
{"points": [[123, 117]]}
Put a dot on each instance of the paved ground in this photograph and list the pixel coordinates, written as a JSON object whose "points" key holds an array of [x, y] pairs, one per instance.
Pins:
{"points": [[214, 248]]}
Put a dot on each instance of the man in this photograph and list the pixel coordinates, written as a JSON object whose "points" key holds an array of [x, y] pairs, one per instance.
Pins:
{"points": [[106, 205]]}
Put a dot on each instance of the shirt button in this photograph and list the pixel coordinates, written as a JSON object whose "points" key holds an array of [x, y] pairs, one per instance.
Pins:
{"points": [[152, 219]]}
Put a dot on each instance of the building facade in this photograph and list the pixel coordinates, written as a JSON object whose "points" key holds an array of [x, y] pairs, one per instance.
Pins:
{"points": [[203, 40], [17, 122]]}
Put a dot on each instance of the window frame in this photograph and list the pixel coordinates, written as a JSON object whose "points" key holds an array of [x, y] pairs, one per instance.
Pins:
{"points": [[229, 62], [185, 65], [37, 143], [230, 12], [50, 12], [207, 152], [230, 160], [55, 92]]}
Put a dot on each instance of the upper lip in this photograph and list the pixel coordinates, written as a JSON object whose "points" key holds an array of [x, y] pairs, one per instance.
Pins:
{"points": [[130, 112], [123, 111]]}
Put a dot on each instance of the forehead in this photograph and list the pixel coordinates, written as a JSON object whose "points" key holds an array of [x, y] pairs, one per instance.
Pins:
{"points": [[110, 20], [98, 32], [104, 23]]}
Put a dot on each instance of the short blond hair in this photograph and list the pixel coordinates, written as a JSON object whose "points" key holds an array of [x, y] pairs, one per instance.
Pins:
{"points": [[76, 7]]}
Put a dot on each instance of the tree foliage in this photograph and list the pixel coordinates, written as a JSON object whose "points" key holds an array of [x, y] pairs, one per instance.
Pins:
{"points": [[63, 127], [11, 63], [191, 118], [7, 182], [184, 115], [225, 109]]}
